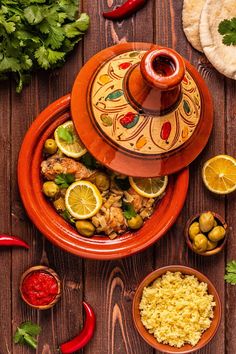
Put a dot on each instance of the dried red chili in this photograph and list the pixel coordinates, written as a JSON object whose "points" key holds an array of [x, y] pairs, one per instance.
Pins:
{"points": [[85, 335], [125, 10], [6, 240]]}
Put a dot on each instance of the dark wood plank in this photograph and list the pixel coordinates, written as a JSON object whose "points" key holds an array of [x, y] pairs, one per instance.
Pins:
{"points": [[5, 221], [43, 90], [172, 248], [109, 286], [230, 314]]}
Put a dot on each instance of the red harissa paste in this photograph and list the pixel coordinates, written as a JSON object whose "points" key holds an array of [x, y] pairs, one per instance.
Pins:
{"points": [[39, 288]]}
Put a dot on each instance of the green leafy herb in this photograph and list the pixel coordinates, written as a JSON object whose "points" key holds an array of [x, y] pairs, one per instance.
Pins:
{"points": [[128, 211], [37, 34], [27, 334], [68, 217], [122, 183], [230, 275], [227, 28], [65, 134], [64, 179], [89, 161]]}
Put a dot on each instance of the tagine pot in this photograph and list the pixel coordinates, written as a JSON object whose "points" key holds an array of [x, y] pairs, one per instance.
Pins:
{"points": [[141, 109]]}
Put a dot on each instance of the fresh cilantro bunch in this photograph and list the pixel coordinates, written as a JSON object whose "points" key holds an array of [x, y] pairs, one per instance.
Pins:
{"points": [[230, 275], [27, 334], [37, 34], [227, 28]]}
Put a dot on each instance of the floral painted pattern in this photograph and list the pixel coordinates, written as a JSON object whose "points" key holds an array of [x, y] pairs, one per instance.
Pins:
{"points": [[128, 128]]}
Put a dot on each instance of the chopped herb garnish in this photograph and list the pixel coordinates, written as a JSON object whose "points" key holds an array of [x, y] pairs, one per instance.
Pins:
{"points": [[230, 275], [65, 134], [27, 334], [64, 179], [68, 217], [227, 28], [122, 183], [128, 211]]}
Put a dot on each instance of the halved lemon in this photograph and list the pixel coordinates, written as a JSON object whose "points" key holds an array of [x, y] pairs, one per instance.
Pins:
{"points": [[73, 149], [219, 174], [83, 199], [149, 187]]}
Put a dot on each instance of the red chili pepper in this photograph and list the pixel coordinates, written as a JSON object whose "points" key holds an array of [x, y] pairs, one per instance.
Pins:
{"points": [[6, 240], [85, 335], [125, 10], [165, 130]]}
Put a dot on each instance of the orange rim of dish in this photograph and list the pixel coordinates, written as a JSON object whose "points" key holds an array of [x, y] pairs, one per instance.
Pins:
{"points": [[56, 229]]}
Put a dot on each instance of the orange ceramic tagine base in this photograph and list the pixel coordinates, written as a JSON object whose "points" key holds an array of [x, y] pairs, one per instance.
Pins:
{"points": [[142, 110]]}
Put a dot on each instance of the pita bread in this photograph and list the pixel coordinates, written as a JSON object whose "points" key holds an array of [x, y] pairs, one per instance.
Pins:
{"points": [[191, 16], [222, 57]]}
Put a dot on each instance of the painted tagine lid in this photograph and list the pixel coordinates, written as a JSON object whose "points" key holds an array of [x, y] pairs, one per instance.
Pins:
{"points": [[141, 109]]}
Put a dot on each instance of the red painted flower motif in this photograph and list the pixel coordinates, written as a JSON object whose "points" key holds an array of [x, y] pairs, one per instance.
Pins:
{"points": [[124, 66]]}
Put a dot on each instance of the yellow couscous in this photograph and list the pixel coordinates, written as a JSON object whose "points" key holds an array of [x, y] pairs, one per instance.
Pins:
{"points": [[176, 309]]}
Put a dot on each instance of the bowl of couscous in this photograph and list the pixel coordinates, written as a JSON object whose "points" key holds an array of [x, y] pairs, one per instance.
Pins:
{"points": [[176, 309]]}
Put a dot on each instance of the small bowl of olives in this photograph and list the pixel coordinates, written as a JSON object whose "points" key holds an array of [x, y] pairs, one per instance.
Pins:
{"points": [[206, 233]]}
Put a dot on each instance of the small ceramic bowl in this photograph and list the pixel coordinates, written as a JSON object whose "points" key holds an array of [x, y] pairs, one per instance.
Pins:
{"points": [[35, 270], [221, 244], [149, 338]]}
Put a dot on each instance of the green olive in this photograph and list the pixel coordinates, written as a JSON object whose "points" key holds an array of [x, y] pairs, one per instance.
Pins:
{"points": [[135, 222], [102, 181], [194, 230], [200, 243], [211, 245], [59, 204], [217, 234], [85, 228], [50, 146], [50, 189], [206, 221]]}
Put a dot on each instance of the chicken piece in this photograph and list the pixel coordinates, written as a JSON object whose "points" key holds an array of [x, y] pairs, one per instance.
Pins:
{"points": [[135, 199], [116, 220], [55, 165]]}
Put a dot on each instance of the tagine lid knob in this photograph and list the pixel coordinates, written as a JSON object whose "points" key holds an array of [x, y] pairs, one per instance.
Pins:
{"points": [[141, 109]]}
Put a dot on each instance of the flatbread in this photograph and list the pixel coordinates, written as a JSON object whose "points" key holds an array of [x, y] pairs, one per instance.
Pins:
{"points": [[191, 16], [222, 57]]}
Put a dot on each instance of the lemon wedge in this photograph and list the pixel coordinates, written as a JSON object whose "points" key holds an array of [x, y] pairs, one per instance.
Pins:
{"points": [[83, 199], [219, 174], [75, 148], [149, 187]]}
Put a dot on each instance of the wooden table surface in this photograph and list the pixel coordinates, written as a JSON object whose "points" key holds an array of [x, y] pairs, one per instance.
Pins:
{"points": [[109, 286]]}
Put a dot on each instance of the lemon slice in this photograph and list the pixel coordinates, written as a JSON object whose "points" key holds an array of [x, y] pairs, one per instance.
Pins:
{"points": [[149, 187], [73, 149], [219, 174], [83, 199]]}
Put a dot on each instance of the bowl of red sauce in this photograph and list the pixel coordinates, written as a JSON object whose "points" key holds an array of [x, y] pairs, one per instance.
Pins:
{"points": [[40, 287]]}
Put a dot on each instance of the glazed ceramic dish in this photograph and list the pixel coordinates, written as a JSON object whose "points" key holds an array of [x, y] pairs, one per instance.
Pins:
{"points": [[149, 338], [56, 229], [142, 110], [221, 244]]}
